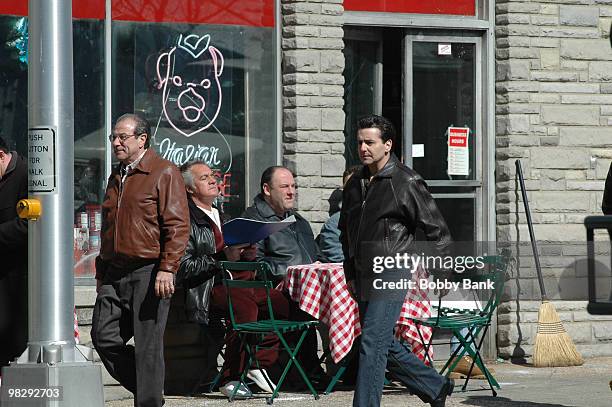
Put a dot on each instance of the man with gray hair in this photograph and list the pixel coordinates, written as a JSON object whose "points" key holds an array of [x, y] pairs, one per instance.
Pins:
{"points": [[144, 233]]}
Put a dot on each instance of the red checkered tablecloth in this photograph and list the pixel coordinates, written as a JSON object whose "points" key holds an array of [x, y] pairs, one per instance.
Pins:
{"points": [[320, 290]]}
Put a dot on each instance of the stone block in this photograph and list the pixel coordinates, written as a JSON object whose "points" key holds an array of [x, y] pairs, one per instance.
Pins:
{"points": [[332, 119], [596, 99], [302, 61], [580, 332], [332, 166], [600, 71], [302, 119], [586, 49], [549, 58], [510, 70], [584, 16], [585, 136], [326, 101], [309, 199], [561, 158], [569, 87], [332, 62], [570, 114], [543, 20], [305, 164], [570, 32], [602, 331]]}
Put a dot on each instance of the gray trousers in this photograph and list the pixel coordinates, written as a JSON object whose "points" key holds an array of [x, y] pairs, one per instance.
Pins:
{"points": [[127, 307]]}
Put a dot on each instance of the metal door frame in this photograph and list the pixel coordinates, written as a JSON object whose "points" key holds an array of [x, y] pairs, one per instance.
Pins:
{"points": [[436, 36]]}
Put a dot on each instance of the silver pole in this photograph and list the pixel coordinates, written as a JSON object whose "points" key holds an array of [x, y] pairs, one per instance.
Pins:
{"points": [[50, 106], [52, 363]]}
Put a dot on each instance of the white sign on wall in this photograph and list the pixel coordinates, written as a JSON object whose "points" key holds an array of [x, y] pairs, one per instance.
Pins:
{"points": [[42, 176]]}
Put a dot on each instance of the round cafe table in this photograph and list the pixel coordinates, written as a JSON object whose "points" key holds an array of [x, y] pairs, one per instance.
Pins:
{"points": [[320, 290]]}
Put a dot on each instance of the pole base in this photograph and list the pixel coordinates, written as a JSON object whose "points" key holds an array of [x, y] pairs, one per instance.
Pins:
{"points": [[43, 385]]}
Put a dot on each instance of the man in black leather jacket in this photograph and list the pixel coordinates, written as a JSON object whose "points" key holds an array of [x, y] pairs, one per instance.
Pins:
{"points": [[199, 273], [382, 207]]}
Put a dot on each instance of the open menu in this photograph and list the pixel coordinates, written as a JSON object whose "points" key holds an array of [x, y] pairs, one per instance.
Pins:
{"points": [[248, 231]]}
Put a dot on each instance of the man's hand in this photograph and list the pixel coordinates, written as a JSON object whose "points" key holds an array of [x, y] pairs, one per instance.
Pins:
{"points": [[164, 284], [249, 253], [232, 253]]}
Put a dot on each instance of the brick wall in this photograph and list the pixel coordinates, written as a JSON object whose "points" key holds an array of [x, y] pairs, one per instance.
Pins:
{"points": [[553, 111], [313, 116]]}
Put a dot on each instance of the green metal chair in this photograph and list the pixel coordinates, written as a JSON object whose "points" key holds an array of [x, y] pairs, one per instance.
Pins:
{"points": [[264, 327], [476, 321]]}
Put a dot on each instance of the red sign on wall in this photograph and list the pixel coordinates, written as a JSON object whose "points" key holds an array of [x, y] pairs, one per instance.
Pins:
{"points": [[80, 8], [253, 13], [456, 7]]}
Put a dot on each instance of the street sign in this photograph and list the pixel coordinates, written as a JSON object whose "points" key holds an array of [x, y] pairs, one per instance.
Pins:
{"points": [[42, 167]]}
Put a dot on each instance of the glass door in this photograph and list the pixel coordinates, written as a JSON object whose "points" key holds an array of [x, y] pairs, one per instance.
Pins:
{"points": [[362, 83], [442, 95]]}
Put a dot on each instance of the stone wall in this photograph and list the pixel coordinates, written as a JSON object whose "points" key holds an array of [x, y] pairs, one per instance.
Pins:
{"points": [[313, 116], [553, 111]]}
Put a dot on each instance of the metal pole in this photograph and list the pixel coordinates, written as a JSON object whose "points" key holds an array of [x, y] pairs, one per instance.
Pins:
{"points": [[50, 106], [52, 362]]}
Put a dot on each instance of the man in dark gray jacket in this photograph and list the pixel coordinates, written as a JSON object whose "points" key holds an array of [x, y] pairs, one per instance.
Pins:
{"points": [[292, 245]]}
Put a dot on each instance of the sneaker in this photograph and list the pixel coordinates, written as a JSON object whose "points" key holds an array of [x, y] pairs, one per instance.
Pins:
{"points": [[242, 393], [262, 380]]}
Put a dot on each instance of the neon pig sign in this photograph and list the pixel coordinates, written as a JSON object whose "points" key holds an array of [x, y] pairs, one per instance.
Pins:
{"points": [[189, 74]]}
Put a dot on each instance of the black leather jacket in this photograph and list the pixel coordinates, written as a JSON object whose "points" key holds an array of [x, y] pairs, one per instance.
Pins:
{"points": [[199, 268], [606, 204], [380, 217], [288, 247]]}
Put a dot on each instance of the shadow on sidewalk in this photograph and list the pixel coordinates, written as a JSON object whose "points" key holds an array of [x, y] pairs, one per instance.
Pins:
{"points": [[490, 401]]}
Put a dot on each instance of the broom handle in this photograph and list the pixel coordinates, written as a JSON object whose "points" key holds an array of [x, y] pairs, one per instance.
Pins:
{"points": [[534, 246]]}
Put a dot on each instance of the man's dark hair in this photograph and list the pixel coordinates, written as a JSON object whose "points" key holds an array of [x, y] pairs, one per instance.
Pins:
{"points": [[3, 146], [266, 176], [387, 131], [142, 125]]}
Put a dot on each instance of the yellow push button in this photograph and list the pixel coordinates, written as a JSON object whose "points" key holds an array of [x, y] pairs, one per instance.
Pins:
{"points": [[29, 209]]}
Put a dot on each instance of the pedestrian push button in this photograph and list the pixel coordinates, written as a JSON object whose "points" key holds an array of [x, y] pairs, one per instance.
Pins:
{"points": [[29, 209]]}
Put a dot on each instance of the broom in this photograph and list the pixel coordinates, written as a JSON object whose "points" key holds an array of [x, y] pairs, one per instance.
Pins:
{"points": [[553, 346]]}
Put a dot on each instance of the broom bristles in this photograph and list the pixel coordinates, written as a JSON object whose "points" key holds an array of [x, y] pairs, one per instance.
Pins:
{"points": [[553, 346]]}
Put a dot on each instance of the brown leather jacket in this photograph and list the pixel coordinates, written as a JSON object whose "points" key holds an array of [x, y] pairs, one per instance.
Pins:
{"points": [[147, 220]]}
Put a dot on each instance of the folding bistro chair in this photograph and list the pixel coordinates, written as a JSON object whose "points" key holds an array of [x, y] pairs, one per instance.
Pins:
{"points": [[476, 321], [264, 327]]}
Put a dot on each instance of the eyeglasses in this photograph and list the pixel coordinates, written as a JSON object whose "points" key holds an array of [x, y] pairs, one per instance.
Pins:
{"points": [[122, 137]]}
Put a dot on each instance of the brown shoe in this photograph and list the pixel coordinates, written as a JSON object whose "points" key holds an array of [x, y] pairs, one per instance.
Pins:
{"points": [[463, 368]]}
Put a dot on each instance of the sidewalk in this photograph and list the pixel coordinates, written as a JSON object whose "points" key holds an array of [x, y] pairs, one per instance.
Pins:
{"points": [[522, 386]]}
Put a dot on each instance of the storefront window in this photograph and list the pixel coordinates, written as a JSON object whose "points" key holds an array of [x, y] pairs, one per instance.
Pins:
{"points": [[204, 75], [89, 146], [208, 92]]}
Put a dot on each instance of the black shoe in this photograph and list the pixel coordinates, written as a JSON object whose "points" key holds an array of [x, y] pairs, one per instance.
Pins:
{"points": [[446, 391]]}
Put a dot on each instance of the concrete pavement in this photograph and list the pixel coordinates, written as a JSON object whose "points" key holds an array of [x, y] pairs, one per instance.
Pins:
{"points": [[522, 386]]}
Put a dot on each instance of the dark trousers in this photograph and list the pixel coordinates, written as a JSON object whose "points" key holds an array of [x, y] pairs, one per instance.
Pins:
{"points": [[249, 305], [13, 314], [127, 307], [379, 350]]}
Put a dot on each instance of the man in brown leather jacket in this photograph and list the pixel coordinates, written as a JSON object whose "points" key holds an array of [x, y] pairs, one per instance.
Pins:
{"points": [[145, 228]]}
